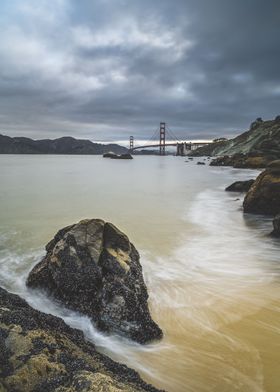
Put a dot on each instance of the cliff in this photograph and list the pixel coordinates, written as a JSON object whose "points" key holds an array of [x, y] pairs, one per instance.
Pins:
{"points": [[262, 139]]}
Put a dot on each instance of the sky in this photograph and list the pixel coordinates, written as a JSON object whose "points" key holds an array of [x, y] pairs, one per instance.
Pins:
{"points": [[107, 69]]}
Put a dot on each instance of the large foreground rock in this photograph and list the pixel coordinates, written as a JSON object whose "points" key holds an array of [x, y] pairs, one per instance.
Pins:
{"points": [[40, 353], [264, 195], [93, 268]]}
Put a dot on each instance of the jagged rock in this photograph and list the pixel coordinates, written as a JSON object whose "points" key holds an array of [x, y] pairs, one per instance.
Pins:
{"points": [[200, 163], [240, 186], [276, 226], [264, 195], [93, 268], [243, 161], [40, 353]]}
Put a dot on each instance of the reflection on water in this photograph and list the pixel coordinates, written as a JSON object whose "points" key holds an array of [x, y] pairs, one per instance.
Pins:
{"points": [[212, 273]]}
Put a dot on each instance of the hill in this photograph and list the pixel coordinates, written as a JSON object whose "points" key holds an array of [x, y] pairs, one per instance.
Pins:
{"points": [[63, 145], [262, 139]]}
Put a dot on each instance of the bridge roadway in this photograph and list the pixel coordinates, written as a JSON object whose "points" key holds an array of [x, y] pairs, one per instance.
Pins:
{"points": [[190, 144]]}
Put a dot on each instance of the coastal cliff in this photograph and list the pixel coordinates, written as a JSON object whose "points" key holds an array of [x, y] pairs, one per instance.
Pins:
{"points": [[261, 143]]}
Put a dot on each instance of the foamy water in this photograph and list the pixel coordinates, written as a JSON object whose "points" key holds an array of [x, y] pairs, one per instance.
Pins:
{"points": [[212, 273]]}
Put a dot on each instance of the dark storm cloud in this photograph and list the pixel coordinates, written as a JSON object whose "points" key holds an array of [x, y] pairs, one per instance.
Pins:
{"points": [[104, 69]]}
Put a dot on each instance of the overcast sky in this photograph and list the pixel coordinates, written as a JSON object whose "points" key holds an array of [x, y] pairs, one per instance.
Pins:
{"points": [[105, 69]]}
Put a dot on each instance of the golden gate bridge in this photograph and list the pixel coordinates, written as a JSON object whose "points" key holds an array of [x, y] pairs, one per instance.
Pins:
{"points": [[161, 134]]}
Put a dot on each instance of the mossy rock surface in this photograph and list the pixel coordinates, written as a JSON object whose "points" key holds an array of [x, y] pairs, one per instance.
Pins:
{"points": [[40, 353], [264, 195], [93, 268]]}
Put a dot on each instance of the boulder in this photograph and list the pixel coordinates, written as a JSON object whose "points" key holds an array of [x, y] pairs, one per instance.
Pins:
{"points": [[276, 226], [109, 155], [93, 268], [264, 195], [39, 352], [200, 163], [240, 186]]}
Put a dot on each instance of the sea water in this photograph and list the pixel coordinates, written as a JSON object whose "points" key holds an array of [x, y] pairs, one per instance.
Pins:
{"points": [[212, 272]]}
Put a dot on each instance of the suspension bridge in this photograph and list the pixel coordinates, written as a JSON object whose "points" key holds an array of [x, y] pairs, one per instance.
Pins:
{"points": [[159, 140]]}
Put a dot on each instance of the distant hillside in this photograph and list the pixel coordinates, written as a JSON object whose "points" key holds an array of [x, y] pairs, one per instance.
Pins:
{"points": [[263, 138], [63, 145]]}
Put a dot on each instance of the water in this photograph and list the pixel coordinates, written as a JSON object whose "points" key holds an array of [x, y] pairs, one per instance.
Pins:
{"points": [[212, 273]]}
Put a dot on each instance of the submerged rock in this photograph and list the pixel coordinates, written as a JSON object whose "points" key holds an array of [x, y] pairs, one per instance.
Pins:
{"points": [[93, 268], [109, 154], [200, 163], [264, 195], [276, 226], [40, 353], [240, 186]]}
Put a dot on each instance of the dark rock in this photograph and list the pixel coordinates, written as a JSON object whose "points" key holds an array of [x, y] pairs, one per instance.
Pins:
{"points": [[264, 195], [93, 268], [109, 155], [240, 186], [243, 161], [122, 156], [276, 226], [200, 163], [115, 156], [277, 119], [39, 352]]}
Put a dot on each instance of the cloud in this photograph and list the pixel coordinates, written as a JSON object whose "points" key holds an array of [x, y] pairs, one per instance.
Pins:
{"points": [[107, 69]]}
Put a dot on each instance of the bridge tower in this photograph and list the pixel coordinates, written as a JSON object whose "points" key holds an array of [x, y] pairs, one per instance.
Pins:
{"points": [[162, 138], [131, 143]]}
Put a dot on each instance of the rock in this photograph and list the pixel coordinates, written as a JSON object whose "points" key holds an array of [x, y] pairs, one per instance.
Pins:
{"points": [[240, 186], [242, 161], [123, 156], [115, 156], [200, 163], [276, 226], [264, 195], [109, 155], [40, 353], [92, 267]]}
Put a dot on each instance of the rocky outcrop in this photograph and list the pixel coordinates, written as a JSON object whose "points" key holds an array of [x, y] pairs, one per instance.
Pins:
{"points": [[93, 268], [39, 352], [276, 226], [261, 140], [264, 195], [240, 186], [242, 161]]}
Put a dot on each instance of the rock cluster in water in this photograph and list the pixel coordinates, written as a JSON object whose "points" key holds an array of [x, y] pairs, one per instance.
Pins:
{"points": [[93, 268], [40, 353]]}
